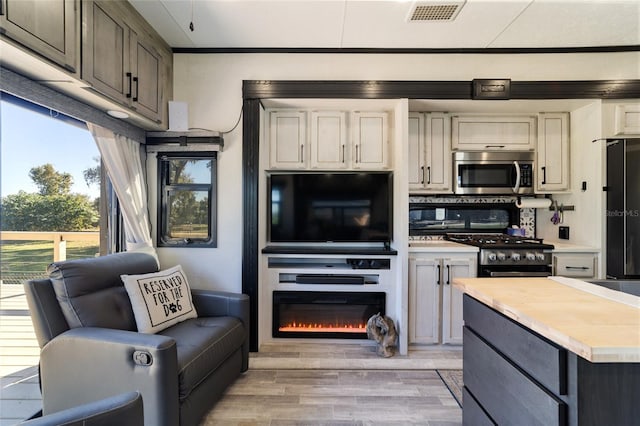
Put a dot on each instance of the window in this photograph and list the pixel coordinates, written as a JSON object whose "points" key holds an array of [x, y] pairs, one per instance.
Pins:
{"points": [[187, 199]]}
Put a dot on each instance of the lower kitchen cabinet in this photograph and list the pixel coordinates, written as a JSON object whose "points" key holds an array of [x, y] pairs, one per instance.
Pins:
{"points": [[435, 306], [575, 265], [514, 376]]}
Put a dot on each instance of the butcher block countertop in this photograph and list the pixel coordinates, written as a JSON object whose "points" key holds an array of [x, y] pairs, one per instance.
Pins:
{"points": [[598, 324]]}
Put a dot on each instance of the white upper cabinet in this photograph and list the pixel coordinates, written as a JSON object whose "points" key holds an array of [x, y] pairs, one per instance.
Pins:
{"points": [[287, 139], [370, 140], [493, 133], [553, 161], [50, 28], [329, 140], [429, 153], [627, 120], [332, 140]]}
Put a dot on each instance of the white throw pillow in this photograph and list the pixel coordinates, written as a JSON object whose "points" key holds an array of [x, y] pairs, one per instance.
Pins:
{"points": [[160, 299]]}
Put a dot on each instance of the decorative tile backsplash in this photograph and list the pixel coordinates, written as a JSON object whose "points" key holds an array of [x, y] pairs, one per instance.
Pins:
{"points": [[527, 216]]}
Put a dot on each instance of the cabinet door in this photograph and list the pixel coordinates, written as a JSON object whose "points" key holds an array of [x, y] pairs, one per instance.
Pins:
{"points": [[627, 119], [452, 298], [50, 28], [370, 148], [147, 78], [493, 133], [424, 300], [438, 159], [105, 51], [287, 135], [416, 169], [328, 140], [553, 152]]}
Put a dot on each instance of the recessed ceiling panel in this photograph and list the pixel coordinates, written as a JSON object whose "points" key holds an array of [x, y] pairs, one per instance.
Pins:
{"points": [[387, 24], [381, 24], [574, 23]]}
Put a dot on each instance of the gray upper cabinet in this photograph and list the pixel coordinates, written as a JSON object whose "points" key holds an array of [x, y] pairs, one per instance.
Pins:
{"points": [[121, 60], [51, 28]]}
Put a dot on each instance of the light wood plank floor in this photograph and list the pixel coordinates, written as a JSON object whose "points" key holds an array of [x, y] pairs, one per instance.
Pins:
{"points": [[287, 384], [336, 397]]}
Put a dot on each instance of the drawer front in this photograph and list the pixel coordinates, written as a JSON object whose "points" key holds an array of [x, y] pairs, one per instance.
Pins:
{"points": [[541, 359], [574, 266], [507, 395], [473, 414]]}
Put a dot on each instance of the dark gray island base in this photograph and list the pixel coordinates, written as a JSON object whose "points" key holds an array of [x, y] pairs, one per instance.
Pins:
{"points": [[514, 376]]}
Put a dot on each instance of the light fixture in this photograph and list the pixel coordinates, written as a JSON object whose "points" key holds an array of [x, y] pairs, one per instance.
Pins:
{"points": [[117, 114]]}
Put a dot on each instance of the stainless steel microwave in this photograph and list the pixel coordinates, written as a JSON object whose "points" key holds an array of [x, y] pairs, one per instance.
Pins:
{"points": [[493, 172]]}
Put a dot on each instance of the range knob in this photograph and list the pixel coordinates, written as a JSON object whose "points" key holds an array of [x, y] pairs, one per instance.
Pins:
{"points": [[491, 256], [502, 256], [531, 256], [540, 256], [515, 257]]}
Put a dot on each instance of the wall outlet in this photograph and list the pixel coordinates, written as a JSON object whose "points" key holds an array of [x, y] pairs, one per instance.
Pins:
{"points": [[563, 232]]}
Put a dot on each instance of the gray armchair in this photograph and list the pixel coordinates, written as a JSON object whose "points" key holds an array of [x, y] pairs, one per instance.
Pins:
{"points": [[90, 347], [122, 410]]}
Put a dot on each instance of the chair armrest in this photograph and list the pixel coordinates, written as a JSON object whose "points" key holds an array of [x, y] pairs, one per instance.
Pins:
{"points": [[88, 363], [210, 303], [123, 409]]}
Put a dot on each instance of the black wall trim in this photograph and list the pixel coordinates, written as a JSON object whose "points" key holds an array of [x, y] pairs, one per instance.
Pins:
{"points": [[250, 175], [385, 89], [410, 51], [255, 90]]}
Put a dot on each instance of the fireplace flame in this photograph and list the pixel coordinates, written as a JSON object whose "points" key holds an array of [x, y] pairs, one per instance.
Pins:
{"points": [[318, 327]]}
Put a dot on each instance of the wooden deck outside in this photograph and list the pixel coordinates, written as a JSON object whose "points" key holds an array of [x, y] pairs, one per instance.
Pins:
{"points": [[19, 354]]}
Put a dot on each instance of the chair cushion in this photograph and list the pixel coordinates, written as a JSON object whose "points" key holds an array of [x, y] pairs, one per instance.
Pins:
{"points": [[160, 299], [202, 345], [91, 293]]}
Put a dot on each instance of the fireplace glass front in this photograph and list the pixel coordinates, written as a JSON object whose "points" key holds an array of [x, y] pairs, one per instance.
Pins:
{"points": [[321, 314]]}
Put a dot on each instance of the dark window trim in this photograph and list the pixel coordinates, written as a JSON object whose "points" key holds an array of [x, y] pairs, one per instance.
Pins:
{"points": [[164, 188], [254, 90]]}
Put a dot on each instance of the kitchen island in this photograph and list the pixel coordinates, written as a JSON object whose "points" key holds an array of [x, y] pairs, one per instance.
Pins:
{"points": [[549, 351]]}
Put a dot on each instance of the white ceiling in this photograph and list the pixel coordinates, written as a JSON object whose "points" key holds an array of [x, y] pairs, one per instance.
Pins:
{"points": [[383, 24]]}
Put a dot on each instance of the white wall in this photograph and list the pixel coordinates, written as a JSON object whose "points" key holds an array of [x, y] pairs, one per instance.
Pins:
{"points": [[586, 166], [211, 84]]}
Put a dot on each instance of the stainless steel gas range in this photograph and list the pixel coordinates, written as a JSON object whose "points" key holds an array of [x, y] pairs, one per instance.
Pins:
{"points": [[503, 255]]}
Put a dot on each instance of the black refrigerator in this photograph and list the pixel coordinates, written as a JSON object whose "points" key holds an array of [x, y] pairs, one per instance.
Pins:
{"points": [[623, 208]]}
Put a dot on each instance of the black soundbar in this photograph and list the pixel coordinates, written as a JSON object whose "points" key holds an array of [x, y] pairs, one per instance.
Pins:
{"points": [[329, 279]]}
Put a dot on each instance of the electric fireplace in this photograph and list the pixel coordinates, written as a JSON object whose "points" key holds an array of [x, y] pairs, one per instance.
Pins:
{"points": [[324, 314]]}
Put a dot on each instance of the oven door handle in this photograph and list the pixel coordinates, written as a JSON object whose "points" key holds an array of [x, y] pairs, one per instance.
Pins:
{"points": [[517, 187], [519, 274]]}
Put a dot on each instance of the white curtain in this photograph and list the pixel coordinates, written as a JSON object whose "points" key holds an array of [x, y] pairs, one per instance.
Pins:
{"points": [[121, 158]]}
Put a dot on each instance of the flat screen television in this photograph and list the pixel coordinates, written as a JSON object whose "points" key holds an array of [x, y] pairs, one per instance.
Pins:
{"points": [[341, 207]]}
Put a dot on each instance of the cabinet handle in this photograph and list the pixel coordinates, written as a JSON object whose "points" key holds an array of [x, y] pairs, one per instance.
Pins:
{"points": [[128, 95], [544, 175], [422, 174], [135, 80], [343, 154], [357, 154], [428, 175], [302, 153], [494, 146], [448, 275], [583, 268], [438, 273]]}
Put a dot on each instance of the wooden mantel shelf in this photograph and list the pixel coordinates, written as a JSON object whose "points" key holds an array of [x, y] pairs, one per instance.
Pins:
{"points": [[598, 324]]}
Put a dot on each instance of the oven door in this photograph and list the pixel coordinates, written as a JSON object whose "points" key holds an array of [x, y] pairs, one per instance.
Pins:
{"points": [[490, 173]]}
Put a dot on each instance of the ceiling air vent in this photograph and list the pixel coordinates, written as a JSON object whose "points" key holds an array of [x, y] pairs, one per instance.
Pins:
{"points": [[434, 11]]}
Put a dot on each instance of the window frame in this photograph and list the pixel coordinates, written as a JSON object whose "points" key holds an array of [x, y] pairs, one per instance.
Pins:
{"points": [[165, 189]]}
